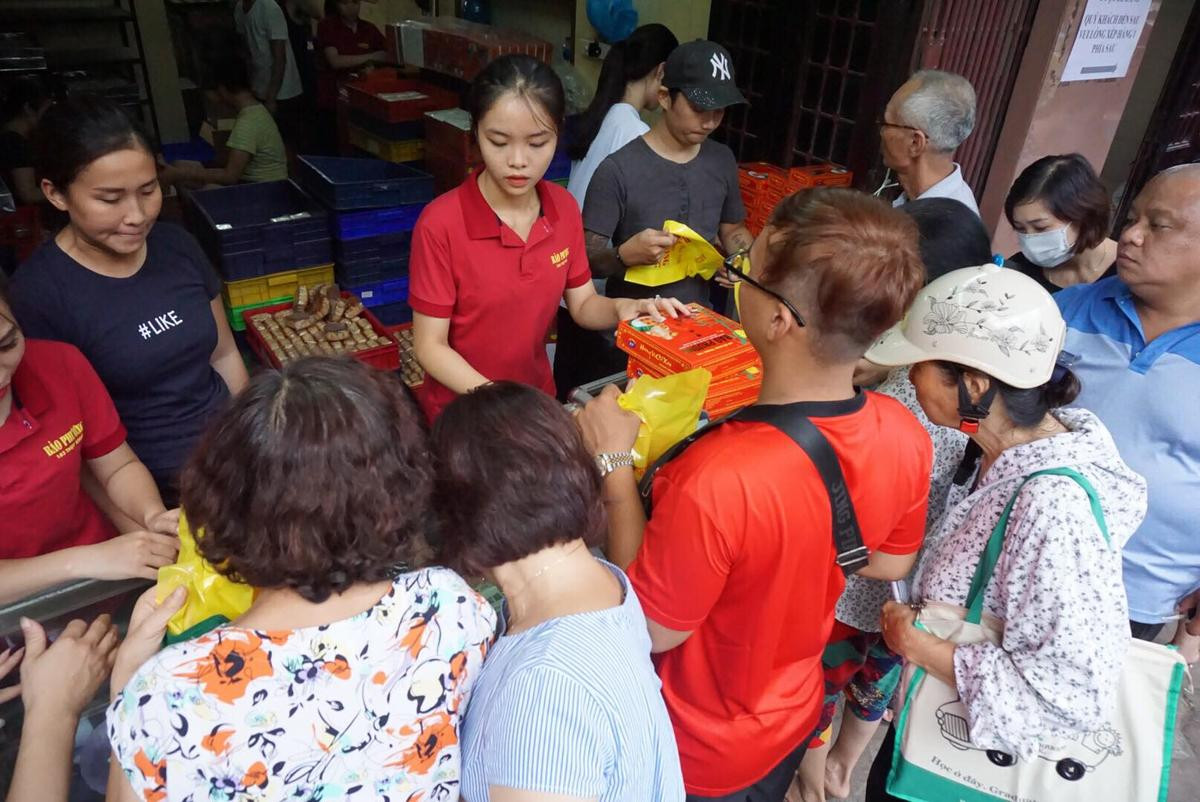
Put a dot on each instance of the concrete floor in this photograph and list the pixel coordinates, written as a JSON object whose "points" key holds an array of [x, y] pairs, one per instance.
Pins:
{"points": [[1185, 768]]}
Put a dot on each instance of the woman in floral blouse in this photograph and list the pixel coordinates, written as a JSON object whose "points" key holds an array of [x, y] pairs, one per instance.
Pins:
{"points": [[985, 346], [348, 676]]}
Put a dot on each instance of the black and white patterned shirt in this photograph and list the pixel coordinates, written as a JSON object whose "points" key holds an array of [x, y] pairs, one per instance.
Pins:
{"points": [[1057, 587]]}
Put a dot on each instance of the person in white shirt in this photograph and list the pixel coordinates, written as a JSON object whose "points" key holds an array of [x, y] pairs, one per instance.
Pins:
{"points": [[628, 84], [274, 76], [926, 120]]}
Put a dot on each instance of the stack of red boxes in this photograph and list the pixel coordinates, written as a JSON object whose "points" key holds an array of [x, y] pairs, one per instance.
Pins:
{"points": [[382, 113], [457, 47], [450, 150], [764, 185], [703, 340]]}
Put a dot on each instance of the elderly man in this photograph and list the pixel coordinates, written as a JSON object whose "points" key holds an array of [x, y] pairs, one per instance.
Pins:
{"points": [[924, 123], [1137, 337]]}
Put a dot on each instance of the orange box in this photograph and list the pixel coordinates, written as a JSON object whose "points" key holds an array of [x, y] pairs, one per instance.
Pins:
{"points": [[818, 175], [703, 340], [726, 394]]}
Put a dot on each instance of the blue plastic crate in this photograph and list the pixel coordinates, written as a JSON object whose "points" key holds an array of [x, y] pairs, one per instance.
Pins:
{"points": [[377, 222], [393, 314], [251, 230], [394, 132], [385, 246], [196, 150], [368, 271], [380, 293], [345, 184]]}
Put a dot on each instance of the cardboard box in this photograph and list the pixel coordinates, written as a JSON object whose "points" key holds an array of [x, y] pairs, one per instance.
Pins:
{"points": [[704, 340], [458, 47], [731, 392]]}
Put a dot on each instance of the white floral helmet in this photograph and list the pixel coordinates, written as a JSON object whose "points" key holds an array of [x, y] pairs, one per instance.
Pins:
{"points": [[993, 319]]}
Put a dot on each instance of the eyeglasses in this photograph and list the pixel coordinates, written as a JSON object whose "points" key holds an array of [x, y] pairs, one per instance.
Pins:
{"points": [[882, 123], [734, 265]]}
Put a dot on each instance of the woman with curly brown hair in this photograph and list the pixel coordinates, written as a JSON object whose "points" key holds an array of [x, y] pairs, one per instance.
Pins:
{"points": [[348, 675]]}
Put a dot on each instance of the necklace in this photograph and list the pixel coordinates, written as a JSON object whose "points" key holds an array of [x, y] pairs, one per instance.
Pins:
{"points": [[511, 597]]}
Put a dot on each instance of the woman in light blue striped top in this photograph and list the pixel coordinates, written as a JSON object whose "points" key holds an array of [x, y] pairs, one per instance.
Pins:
{"points": [[567, 703]]}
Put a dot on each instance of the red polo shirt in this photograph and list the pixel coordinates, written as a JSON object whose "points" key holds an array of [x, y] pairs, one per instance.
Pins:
{"points": [[739, 552], [332, 32], [500, 294], [62, 416]]}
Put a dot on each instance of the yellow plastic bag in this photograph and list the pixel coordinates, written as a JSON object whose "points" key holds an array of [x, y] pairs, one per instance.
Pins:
{"points": [[669, 408], [210, 595], [691, 255]]}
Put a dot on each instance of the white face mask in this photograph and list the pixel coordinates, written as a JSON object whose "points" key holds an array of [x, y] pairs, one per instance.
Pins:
{"points": [[1048, 248]]}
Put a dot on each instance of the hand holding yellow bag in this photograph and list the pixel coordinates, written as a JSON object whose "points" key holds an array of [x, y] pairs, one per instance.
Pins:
{"points": [[669, 408], [212, 599], [691, 255]]}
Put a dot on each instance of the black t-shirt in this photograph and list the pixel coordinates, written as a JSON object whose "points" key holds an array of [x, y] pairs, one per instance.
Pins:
{"points": [[635, 189], [1018, 261], [150, 337]]}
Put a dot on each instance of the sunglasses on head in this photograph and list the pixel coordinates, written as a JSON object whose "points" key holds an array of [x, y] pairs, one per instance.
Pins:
{"points": [[735, 266]]}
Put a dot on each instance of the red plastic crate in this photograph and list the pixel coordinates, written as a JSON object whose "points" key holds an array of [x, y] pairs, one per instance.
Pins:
{"points": [[386, 96], [385, 357]]}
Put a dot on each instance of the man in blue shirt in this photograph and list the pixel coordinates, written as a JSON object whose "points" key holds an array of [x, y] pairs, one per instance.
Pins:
{"points": [[1137, 336]]}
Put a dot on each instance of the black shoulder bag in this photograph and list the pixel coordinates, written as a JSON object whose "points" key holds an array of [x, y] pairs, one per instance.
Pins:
{"points": [[852, 555]]}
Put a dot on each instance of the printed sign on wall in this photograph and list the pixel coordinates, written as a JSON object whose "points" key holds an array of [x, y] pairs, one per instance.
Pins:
{"points": [[1107, 37]]}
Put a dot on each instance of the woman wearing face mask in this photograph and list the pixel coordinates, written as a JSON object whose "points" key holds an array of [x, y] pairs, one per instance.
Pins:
{"points": [[140, 300], [1060, 211]]}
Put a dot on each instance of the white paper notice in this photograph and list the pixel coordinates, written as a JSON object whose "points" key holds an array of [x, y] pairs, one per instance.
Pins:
{"points": [[1106, 39]]}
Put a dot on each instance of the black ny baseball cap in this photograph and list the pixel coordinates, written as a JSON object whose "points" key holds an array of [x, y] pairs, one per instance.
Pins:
{"points": [[703, 71]]}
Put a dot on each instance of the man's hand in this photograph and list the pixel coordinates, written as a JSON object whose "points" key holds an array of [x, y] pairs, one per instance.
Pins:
{"points": [[646, 247], [61, 680], [608, 429]]}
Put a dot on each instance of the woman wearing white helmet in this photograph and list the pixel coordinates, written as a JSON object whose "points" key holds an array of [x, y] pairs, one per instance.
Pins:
{"points": [[985, 345]]}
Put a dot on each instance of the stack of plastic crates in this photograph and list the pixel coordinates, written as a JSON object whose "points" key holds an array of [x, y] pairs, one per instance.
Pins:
{"points": [[384, 114], [372, 207], [266, 239]]}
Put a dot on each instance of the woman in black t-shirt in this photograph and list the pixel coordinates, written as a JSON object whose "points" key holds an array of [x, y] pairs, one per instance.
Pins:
{"points": [[24, 101], [1061, 213], [139, 300]]}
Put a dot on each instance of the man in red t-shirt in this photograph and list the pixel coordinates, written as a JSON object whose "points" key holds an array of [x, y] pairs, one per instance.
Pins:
{"points": [[736, 568]]}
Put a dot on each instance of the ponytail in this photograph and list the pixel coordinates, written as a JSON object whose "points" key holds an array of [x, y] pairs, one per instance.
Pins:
{"points": [[627, 61]]}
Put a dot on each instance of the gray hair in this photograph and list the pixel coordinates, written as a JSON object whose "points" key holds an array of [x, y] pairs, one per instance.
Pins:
{"points": [[943, 106]]}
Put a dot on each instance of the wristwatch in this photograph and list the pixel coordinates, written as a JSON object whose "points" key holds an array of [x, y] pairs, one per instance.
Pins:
{"points": [[609, 462]]}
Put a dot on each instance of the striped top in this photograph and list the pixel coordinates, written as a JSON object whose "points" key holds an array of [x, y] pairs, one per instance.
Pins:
{"points": [[573, 707]]}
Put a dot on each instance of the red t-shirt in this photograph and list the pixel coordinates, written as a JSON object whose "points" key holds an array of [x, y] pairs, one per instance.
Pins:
{"points": [[500, 294], [332, 32], [739, 552], [62, 415]]}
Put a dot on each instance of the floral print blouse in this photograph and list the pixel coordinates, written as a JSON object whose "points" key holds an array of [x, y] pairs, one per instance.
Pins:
{"points": [[367, 708], [1057, 587]]}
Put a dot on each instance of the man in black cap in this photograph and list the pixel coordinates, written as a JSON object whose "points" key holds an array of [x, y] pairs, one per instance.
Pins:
{"points": [[673, 172]]}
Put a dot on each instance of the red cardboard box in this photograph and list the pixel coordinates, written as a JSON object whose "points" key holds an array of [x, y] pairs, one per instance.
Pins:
{"points": [[703, 340]]}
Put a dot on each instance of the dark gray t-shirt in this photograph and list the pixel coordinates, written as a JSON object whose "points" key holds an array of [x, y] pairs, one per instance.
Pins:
{"points": [[635, 189]]}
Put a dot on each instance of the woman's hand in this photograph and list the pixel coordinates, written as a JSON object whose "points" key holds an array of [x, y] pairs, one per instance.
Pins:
{"points": [[136, 554], [61, 680], [608, 429], [147, 625], [165, 522], [898, 626], [629, 308], [8, 661]]}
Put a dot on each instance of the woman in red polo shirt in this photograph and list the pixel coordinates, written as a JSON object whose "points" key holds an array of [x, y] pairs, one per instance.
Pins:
{"points": [[54, 415], [492, 258], [344, 43]]}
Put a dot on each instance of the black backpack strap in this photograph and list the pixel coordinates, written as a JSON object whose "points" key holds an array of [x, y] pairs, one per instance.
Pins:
{"points": [[852, 554]]}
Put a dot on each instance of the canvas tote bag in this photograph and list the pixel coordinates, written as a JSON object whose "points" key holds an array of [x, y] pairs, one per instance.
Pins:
{"points": [[1129, 759]]}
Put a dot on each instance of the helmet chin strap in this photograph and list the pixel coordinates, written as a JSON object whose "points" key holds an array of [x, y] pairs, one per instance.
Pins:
{"points": [[972, 412]]}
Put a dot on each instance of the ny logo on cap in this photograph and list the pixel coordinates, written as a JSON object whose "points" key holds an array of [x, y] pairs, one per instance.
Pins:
{"points": [[720, 64]]}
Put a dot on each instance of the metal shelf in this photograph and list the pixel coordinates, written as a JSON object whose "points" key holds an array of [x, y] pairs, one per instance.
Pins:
{"points": [[90, 57], [52, 13]]}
